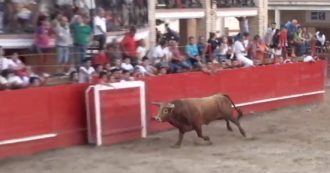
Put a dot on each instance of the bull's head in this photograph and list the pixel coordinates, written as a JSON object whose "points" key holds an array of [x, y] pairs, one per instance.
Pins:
{"points": [[165, 109]]}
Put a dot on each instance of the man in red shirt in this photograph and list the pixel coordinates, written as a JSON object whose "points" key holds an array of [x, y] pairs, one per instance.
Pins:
{"points": [[101, 59], [129, 45]]}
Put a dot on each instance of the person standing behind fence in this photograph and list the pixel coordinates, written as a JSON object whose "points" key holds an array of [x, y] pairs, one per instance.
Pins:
{"points": [[82, 34], [100, 28], [63, 41], [43, 36], [129, 45], [320, 41]]}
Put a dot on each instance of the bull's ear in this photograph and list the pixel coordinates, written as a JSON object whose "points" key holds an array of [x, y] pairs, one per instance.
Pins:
{"points": [[156, 103], [170, 105]]}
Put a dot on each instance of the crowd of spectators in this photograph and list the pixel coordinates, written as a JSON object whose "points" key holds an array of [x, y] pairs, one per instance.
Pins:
{"points": [[129, 59], [22, 16], [14, 74], [293, 40]]}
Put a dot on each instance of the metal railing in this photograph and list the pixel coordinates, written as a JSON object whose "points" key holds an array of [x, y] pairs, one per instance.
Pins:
{"points": [[234, 3], [170, 4]]}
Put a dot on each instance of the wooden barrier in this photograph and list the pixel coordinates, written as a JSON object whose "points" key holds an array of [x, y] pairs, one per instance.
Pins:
{"points": [[39, 119], [253, 89]]}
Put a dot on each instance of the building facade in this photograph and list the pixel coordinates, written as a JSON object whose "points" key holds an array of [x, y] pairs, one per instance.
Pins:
{"points": [[224, 17], [312, 14]]}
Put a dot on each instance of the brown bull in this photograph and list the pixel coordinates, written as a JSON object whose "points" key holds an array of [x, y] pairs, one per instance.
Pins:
{"points": [[190, 114]]}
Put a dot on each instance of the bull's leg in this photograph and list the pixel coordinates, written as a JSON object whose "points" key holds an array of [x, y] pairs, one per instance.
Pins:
{"points": [[236, 122], [228, 125], [179, 142], [198, 130]]}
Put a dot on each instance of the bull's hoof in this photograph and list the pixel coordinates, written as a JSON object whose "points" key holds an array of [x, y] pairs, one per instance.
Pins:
{"points": [[250, 137], [176, 146], [206, 138], [204, 143]]}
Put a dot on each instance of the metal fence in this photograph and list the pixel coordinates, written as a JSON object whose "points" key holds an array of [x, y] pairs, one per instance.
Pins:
{"points": [[168, 4], [234, 3]]}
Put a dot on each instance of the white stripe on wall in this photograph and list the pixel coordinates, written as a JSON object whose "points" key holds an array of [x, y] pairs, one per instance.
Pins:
{"points": [[27, 139], [280, 98]]}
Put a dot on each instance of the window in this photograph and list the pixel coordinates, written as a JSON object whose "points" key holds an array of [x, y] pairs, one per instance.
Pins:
{"points": [[318, 15]]}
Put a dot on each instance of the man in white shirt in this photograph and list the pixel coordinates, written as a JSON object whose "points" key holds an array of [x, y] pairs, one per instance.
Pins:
{"points": [[100, 27], [160, 53], [141, 50], [86, 72], [126, 65], [5, 63], [240, 52], [146, 69], [320, 37]]}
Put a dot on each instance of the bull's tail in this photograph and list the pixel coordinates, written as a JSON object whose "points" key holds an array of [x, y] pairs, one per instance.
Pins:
{"points": [[240, 113]]}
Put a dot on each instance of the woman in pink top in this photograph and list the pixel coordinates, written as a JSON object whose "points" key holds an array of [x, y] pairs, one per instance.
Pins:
{"points": [[43, 36]]}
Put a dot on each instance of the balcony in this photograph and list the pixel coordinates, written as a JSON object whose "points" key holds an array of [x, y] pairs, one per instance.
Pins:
{"points": [[234, 3], [316, 5], [236, 8], [179, 9], [299, 2], [175, 4]]}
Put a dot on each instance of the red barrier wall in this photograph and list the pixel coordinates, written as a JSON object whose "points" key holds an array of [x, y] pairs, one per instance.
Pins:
{"points": [[121, 117], [243, 85], [38, 111], [61, 109]]}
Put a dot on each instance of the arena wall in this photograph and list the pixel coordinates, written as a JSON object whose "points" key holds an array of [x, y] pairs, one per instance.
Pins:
{"points": [[39, 119]]}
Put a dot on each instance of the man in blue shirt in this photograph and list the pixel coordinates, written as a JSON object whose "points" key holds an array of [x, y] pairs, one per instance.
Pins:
{"points": [[193, 52], [292, 27]]}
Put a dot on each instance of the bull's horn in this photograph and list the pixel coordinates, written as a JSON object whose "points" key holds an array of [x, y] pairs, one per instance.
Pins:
{"points": [[171, 105], [156, 103]]}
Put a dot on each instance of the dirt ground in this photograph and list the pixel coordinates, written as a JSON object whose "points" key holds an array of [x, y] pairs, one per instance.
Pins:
{"points": [[290, 140]]}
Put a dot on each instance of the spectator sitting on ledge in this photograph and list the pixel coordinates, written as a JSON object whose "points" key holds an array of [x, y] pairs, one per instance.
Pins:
{"points": [[100, 59], [102, 78], [146, 69], [126, 65], [74, 77], [3, 83], [192, 52], [126, 76], [35, 82], [14, 81], [163, 70], [116, 75], [86, 72], [178, 62]]}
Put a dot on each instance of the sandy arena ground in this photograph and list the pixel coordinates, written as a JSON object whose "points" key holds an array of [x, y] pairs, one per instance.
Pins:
{"points": [[290, 140]]}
